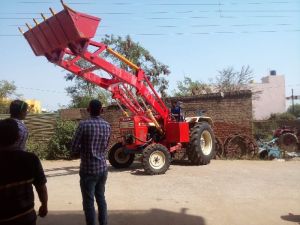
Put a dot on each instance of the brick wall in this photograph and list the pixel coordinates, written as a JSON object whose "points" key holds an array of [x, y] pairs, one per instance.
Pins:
{"points": [[231, 113], [112, 115]]}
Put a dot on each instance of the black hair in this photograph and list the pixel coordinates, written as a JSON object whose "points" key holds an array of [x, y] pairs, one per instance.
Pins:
{"points": [[9, 132], [17, 107], [95, 107]]}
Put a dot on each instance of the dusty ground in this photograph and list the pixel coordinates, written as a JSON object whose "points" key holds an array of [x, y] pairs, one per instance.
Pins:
{"points": [[224, 192]]}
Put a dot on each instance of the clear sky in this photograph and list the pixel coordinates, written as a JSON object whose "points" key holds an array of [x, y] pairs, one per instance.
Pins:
{"points": [[195, 38]]}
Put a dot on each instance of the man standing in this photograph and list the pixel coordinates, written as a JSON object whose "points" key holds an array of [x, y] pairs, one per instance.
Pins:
{"points": [[91, 142], [18, 111], [19, 170]]}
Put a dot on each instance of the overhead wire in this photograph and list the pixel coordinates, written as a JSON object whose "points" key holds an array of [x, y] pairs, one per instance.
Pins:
{"points": [[63, 92], [42, 90], [182, 33], [176, 12], [220, 10]]}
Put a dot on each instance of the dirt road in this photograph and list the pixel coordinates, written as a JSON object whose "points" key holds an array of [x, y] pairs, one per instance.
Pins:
{"points": [[224, 192]]}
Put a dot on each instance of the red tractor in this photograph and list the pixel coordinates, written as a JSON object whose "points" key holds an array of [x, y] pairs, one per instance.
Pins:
{"points": [[150, 129]]}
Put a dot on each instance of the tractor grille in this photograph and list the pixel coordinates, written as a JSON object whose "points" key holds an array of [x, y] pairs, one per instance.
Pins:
{"points": [[127, 125]]}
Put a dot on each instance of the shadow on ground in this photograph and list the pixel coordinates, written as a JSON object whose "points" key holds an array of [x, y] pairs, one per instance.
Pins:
{"points": [[181, 163], [291, 217], [126, 217], [135, 169], [61, 171], [132, 167]]}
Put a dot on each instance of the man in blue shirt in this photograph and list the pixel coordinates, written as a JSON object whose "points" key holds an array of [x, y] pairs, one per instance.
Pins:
{"points": [[176, 111], [18, 111], [91, 141]]}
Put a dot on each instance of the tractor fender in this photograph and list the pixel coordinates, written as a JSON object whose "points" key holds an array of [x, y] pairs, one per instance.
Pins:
{"points": [[198, 119]]}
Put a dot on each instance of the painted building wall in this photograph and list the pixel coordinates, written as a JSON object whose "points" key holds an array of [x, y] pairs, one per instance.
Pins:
{"points": [[268, 97], [34, 105]]}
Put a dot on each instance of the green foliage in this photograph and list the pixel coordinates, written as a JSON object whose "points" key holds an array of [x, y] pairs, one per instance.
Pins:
{"points": [[4, 107], [82, 101], [188, 87], [227, 80], [265, 129], [294, 110], [282, 116], [60, 143], [139, 56], [82, 91], [58, 147], [7, 89], [38, 147]]}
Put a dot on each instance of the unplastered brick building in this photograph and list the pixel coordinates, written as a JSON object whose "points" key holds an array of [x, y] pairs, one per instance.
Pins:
{"points": [[231, 112]]}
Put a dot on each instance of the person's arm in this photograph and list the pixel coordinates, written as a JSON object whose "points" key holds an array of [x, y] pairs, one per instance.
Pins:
{"points": [[108, 137], [76, 142], [40, 186], [43, 196]]}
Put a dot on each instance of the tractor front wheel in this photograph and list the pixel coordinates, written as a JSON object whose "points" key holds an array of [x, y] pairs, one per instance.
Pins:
{"points": [[202, 144], [118, 158], [156, 159]]}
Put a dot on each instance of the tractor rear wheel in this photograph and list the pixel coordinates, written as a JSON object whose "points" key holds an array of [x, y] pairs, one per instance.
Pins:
{"points": [[156, 159], [118, 158], [202, 144]]}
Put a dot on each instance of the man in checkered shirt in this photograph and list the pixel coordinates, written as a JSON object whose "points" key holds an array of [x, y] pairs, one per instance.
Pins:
{"points": [[91, 142]]}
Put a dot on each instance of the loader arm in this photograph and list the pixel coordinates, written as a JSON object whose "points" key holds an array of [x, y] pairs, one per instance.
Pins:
{"points": [[65, 39]]}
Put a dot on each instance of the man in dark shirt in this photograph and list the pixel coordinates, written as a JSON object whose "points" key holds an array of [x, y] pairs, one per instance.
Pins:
{"points": [[19, 170], [91, 142], [176, 111]]}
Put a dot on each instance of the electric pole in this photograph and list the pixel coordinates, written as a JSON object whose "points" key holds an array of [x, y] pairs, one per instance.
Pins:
{"points": [[293, 106]]}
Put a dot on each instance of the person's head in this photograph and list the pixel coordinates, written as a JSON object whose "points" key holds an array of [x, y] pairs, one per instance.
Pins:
{"points": [[18, 109], [95, 107], [9, 132], [179, 103]]}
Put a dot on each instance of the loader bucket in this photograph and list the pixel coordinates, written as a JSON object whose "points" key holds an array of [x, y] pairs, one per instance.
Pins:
{"points": [[66, 29]]}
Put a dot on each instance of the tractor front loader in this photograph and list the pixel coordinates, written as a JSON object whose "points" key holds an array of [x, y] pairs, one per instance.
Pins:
{"points": [[65, 40]]}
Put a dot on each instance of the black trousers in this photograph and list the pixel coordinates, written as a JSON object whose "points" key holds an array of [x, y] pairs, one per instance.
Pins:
{"points": [[28, 219]]}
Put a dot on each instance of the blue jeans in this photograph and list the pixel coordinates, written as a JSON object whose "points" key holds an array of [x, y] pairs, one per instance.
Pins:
{"points": [[94, 186]]}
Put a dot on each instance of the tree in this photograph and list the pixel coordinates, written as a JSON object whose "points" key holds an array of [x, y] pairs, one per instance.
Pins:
{"points": [[7, 89], [188, 87], [83, 91], [230, 80], [141, 57], [294, 110], [227, 80]]}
